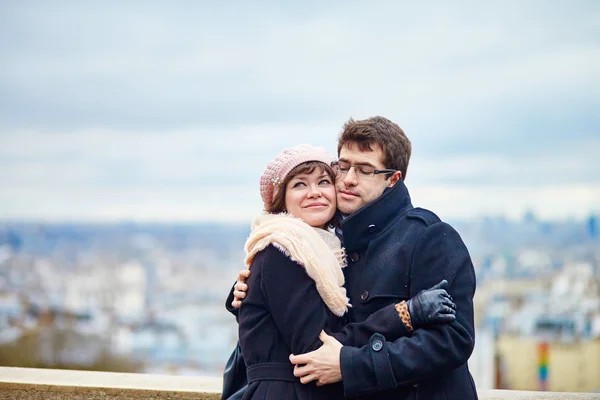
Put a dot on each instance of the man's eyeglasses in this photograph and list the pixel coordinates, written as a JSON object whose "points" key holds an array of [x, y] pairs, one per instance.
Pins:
{"points": [[341, 168]]}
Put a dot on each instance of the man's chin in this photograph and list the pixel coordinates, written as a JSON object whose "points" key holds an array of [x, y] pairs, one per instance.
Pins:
{"points": [[348, 207]]}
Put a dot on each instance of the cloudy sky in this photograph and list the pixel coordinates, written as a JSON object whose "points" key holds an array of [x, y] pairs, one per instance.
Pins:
{"points": [[141, 110]]}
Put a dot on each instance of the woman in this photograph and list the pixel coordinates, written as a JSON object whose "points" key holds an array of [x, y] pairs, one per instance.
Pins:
{"points": [[295, 288]]}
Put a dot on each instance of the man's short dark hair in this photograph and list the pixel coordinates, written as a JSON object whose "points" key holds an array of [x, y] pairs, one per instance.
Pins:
{"points": [[378, 131]]}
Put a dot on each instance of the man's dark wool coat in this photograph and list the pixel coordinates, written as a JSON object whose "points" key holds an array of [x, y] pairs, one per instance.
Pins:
{"points": [[394, 251]]}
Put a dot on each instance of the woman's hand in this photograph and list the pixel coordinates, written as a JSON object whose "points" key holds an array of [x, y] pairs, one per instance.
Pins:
{"points": [[432, 306], [240, 288]]}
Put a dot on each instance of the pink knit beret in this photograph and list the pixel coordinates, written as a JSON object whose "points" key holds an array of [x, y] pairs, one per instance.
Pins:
{"points": [[282, 164]]}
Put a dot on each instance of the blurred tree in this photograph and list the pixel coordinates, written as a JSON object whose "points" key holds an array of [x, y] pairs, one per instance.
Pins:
{"points": [[64, 348]]}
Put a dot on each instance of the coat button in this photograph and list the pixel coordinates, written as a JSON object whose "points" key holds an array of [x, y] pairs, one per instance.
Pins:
{"points": [[372, 228], [364, 295], [377, 345], [354, 257]]}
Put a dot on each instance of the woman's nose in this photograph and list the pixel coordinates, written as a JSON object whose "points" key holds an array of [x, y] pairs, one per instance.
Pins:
{"points": [[314, 191]]}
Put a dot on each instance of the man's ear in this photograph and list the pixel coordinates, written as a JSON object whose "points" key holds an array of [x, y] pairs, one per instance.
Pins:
{"points": [[394, 178]]}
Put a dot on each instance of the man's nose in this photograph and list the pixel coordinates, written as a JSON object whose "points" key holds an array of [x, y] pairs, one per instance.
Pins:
{"points": [[351, 179]]}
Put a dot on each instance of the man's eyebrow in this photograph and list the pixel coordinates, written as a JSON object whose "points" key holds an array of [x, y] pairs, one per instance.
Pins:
{"points": [[364, 164]]}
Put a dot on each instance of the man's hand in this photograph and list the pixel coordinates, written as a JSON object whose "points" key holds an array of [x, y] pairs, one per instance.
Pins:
{"points": [[321, 365], [240, 288]]}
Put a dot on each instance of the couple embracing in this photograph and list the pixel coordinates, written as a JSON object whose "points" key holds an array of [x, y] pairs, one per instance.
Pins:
{"points": [[350, 291]]}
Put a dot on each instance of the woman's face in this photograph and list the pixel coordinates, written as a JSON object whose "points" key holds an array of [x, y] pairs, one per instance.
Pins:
{"points": [[311, 197]]}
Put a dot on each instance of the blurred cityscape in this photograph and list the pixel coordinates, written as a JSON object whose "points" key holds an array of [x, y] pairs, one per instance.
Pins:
{"points": [[150, 298], [120, 297]]}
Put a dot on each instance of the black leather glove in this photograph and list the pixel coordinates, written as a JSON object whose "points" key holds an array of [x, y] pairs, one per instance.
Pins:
{"points": [[432, 306]]}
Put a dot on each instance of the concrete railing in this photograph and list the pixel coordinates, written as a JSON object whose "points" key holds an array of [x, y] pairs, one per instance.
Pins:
{"points": [[27, 383]]}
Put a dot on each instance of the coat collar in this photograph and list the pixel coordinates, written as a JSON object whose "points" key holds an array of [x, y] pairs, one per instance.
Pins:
{"points": [[372, 219]]}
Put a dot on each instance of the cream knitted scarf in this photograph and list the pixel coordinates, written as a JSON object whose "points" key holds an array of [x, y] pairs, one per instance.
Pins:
{"points": [[317, 250]]}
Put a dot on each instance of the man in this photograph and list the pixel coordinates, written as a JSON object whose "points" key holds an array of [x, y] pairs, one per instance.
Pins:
{"points": [[394, 251]]}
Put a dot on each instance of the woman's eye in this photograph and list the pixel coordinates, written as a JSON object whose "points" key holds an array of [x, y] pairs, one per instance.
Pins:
{"points": [[298, 184], [325, 182]]}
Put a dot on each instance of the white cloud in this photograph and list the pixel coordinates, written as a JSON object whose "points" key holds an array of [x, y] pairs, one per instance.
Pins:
{"points": [[198, 175], [576, 162], [548, 202], [410, 62], [112, 160], [73, 203], [150, 106]]}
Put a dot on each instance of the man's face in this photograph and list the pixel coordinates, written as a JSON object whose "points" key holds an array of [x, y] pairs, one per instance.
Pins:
{"points": [[355, 191]]}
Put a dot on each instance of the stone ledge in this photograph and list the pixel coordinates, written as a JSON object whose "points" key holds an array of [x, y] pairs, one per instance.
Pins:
{"points": [[34, 384], [29, 383], [523, 395]]}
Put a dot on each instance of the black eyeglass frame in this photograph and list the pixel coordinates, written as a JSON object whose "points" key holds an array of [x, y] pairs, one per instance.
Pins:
{"points": [[335, 164]]}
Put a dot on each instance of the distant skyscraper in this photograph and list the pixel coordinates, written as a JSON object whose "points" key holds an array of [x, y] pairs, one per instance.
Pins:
{"points": [[592, 226], [14, 240], [529, 216]]}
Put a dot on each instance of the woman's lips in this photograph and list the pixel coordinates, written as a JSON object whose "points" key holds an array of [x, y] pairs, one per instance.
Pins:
{"points": [[315, 205]]}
